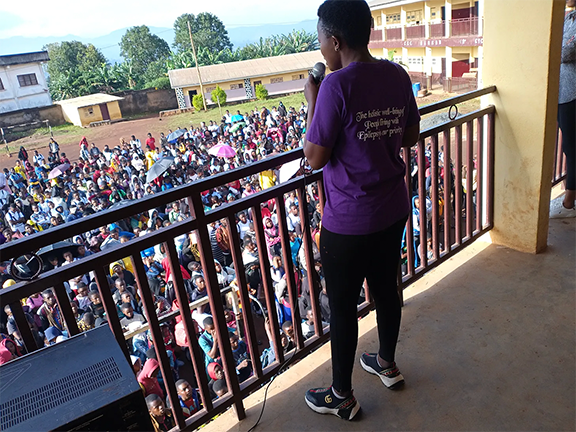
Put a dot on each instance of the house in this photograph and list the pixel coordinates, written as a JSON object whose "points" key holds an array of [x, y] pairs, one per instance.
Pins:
{"points": [[280, 75], [440, 41], [94, 108], [22, 81]]}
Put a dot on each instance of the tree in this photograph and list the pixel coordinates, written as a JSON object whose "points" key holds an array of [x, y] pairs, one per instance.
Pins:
{"points": [[141, 48], [198, 102], [73, 69], [218, 96], [158, 83], [207, 31], [261, 92]]}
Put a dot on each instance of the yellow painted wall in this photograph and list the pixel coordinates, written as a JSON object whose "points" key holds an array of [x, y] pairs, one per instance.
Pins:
{"points": [[526, 107], [89, 114], [114, 110]]}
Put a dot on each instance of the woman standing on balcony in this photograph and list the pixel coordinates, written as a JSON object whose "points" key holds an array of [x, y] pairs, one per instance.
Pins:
{"points": [[360, 117], [562, 208]]}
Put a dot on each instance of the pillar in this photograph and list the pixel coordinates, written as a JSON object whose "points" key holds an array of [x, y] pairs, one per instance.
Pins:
{"points": [[448, 18], [403, 22], [525, 123], [426, 20], [428, 67]]}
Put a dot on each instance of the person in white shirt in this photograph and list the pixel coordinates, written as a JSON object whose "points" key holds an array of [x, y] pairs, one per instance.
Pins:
{"points": [[293, 220], [250, 254], [135, 143], [38, 158], [15, 219], [243, 225], [132, 320]]}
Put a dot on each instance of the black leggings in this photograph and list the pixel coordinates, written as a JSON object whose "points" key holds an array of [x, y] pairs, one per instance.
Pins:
{"points": [[347, 260], [567, 123]]}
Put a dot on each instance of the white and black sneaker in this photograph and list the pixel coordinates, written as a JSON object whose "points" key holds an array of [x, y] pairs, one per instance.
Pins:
{"points": [[391, 377], [324, 401]]}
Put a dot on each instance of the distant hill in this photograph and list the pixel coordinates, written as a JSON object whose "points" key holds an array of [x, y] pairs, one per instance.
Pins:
{"points": [[109, 44]]}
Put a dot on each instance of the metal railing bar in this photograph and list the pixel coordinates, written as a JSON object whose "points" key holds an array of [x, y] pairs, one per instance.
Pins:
{"points": [[267, 282], [457, 122], [490, 169], [469, 178], [249, 330], [65, 309], [427, 109], [409, 237], [157, 337], [309, 258], [458, 187], [422, 211], [447, 190], [23, 327], [289, 269], [435, 203], [216, 306], [196, 354], [479, 172]]}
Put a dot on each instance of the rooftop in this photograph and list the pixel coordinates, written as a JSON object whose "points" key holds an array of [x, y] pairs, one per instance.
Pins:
{"points": [[93, 99], [380, 4], [32, 57], [487, 343], [245, 69]]}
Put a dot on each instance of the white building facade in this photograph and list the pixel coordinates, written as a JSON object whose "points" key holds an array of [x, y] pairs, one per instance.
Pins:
{"points": [[23, 82]]}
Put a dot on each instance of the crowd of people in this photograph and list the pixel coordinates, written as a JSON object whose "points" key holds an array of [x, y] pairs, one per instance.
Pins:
{"points": [[41, 192]]}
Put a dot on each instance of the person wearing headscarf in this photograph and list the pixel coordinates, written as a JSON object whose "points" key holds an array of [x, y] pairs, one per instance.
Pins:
{"points": [[148, 378], [272, 235]]}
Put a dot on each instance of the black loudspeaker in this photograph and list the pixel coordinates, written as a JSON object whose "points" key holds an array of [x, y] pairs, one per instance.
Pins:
{"points": [[81, 384]]}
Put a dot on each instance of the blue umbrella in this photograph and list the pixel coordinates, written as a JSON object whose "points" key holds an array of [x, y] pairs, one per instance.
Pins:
{"points": [[236, 118], [173, 137]]}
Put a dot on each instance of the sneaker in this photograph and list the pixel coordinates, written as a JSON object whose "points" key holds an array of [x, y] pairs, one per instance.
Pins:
{"points": [[558, 211], [391, 377], [324, 401]]}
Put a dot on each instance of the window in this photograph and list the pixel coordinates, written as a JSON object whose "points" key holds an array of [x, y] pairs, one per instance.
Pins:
{"points": [[297, 77], [276, 80], [257, 83], [209, 89], [393, 19], [27, 80], [1, 85], [90, 110], [433, 13], [379, 20], [414, 16], [236, 86]]}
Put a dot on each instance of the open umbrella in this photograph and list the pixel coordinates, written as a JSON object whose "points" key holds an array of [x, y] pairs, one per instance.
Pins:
{"points": [[288, 170], [58, 171], [173, 137], [236, 118], [222, 150], [159, 168], [57, 249], [237, 126]]}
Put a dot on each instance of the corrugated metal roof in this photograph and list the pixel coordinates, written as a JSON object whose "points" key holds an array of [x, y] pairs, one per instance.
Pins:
{"points": [[245, 69], [32, 57], [93, 99]]}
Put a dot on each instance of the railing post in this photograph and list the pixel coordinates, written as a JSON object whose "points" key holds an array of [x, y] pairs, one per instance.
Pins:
{"points": [[207, 259], [23, 327], [66, 310], [435, 210], [469, 180], [447, 191]]}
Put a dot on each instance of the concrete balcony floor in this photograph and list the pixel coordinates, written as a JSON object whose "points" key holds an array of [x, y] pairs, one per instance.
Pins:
{"points": [[487, 344]]}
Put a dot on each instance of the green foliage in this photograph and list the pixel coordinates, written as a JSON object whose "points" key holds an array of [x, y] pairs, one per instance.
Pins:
{"points": [[218, 95], [198, 102], [74, 69], [207, 31], [142, 48], [261, 92], [158, 83]]}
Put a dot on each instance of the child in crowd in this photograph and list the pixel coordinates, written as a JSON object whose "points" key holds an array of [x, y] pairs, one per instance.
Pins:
{"points": [[96, 306], [148, 378], [188, 398], [132, 320], [162, 419], [241, 357]]}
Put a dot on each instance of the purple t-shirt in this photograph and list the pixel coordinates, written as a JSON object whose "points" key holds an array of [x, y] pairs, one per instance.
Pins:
{"points": [[361, 114]]}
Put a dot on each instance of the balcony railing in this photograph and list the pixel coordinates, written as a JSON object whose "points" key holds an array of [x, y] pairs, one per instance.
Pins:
{"points": [[416, 32], [458, 27], [465, 26], [394, 33], [451, 169]]}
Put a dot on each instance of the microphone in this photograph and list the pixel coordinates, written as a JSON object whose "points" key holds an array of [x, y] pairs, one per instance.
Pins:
{"points": [[318, 72]]}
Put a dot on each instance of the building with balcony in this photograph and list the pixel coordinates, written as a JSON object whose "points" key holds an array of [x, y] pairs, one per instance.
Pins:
{"points": [[22, 81], [439, 41]]}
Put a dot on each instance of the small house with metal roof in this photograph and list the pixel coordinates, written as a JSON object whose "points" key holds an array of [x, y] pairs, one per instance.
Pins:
{"points": [[92, 110]]}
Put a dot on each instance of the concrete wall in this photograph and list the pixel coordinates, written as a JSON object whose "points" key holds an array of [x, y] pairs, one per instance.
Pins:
{"points": [[14, 97], [52, 113], [150, 100], [526, 106]]}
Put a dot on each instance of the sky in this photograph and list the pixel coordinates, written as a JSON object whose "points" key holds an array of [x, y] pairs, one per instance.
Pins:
{"points": [[63, 17]]}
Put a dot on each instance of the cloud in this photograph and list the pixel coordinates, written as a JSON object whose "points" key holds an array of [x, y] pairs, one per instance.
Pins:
{"points": [[64, 17]]}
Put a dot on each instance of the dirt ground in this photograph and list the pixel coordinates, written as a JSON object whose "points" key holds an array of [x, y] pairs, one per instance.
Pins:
{"points": [[111, 134]]}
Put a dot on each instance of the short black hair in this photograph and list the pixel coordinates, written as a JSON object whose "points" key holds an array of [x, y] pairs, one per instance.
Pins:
{"points": [[349, 20], [208, 321], [125, 306], [219, 385], [151, 398]]}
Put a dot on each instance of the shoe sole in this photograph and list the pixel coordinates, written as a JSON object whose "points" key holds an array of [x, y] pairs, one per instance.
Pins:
{"points": [[333, 411], [391, 383]]}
